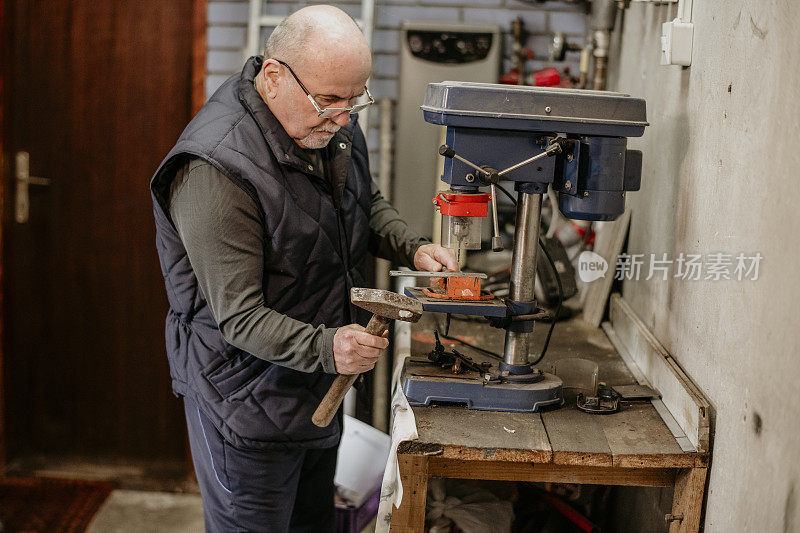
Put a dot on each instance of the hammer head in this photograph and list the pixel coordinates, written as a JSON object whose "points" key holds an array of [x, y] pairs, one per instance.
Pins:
{"points": [[387, 304]]}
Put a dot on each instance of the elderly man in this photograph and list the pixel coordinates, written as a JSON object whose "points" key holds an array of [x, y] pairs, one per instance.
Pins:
{"points": [[265, 212]]}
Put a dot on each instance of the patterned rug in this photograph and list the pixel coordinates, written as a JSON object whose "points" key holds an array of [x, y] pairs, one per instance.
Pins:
{"points": [[33, 505]]}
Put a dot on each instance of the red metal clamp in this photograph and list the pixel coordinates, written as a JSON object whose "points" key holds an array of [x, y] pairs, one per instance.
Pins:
{"points": [[463, 204]]}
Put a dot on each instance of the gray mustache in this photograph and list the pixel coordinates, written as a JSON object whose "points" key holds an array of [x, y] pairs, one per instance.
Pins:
{"points": [[327, 129]]}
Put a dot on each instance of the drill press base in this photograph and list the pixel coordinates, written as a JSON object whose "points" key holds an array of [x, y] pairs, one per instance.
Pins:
{"points": [[425, 383]]}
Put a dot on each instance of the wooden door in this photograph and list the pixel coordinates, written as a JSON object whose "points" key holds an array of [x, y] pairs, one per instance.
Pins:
{"points": [[96, 92]]}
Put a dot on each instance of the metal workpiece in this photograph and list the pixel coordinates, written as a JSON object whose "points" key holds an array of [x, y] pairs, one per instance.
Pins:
{"points": [[443, 274], [495, 308], [523, 271]]}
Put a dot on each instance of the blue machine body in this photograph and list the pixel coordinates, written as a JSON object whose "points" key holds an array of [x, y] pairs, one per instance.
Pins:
{"points": [[502, 125], [516, 398]]}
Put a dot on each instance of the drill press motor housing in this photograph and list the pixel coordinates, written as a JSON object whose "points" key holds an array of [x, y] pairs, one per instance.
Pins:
{"points": [[535, 137]]}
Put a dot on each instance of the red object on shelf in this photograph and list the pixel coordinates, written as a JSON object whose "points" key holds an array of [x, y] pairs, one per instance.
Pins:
{"points": [[511, 77], [547, 77], [464, 204]]}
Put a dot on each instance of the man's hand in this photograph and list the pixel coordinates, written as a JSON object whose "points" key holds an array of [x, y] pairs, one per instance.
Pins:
{"points": [[432, 257], [355, 351]]}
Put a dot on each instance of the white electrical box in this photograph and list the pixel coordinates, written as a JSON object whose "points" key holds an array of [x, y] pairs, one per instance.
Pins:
{"points": [[676, 43]]}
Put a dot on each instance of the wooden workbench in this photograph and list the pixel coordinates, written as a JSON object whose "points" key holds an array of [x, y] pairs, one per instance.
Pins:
{"points": [[563, 445]]}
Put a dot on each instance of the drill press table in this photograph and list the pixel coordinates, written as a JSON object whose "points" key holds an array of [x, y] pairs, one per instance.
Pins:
{"points": [[564, 445]]}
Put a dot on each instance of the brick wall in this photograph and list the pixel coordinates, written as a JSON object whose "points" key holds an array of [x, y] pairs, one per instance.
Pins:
{"points": [[227, 35]]}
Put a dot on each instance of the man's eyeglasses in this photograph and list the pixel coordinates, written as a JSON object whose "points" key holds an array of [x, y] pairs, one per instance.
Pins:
{"points": [[330, 111]]}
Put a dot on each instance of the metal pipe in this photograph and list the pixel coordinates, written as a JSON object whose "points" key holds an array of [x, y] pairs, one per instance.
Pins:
{"points": [[523, 270], [685, 10], [367, 23], [602, 43], [600, 63], [253, 28], [586, 57], [382, 391], [497, 240], [603, 15], [602, 20]]}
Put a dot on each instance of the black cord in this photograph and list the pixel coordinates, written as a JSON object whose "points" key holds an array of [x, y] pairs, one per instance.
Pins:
{"points": [[558, 282], [504, 191], [558, 307], [478, 348]]}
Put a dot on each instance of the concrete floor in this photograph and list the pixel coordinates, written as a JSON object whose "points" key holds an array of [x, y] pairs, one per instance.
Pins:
{"points": [[156, 497], [132, 511]]}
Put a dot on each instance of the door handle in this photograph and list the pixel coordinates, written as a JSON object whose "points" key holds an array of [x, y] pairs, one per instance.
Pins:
{"points": [[23, 181]]}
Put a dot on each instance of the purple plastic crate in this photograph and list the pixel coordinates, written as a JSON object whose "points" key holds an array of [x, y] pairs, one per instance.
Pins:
{"points": [[351, 519]]}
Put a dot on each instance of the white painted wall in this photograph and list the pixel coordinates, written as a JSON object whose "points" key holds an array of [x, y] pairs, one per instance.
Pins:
{"points": [[721, 166]]}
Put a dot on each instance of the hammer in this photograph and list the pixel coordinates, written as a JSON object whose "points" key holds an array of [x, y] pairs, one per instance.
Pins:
{"points": [[385, 307]]}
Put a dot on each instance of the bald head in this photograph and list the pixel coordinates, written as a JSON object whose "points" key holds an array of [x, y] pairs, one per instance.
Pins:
{"points": [[323, 47], [320, 37]]}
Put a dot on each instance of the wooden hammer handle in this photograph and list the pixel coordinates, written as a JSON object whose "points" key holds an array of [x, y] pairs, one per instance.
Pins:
{"points": [[378, 325]]}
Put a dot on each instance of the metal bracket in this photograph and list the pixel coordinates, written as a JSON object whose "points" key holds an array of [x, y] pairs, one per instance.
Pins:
{"points": [[606, 402]]}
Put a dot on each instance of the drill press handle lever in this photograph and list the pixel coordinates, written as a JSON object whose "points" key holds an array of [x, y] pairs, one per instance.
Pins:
{"points": [[491, 176]]}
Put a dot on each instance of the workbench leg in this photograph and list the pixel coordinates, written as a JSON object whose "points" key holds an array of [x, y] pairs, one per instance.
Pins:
{"points": [[410, 516], [687, 500]]}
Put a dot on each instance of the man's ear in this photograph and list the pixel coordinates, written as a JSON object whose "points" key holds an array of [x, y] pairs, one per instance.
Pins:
{"points": [[272, 77]]}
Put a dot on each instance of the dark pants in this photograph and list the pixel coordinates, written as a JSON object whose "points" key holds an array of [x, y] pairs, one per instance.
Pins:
{"points": [[252, 490]]}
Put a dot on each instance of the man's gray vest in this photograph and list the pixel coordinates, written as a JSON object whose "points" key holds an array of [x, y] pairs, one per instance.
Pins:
{"points": [[317, 231]]}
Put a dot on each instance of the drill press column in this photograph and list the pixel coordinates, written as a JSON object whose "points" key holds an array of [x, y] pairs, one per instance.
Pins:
{"points": [[523, 271]]}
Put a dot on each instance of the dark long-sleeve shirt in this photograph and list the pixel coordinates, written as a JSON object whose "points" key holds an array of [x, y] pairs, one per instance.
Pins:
{"points": [[223, 233]]}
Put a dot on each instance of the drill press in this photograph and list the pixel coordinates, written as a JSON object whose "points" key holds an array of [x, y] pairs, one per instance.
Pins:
{"points": [[572, 140]]}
